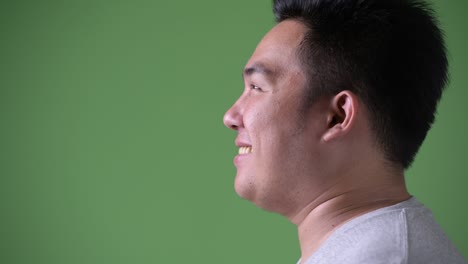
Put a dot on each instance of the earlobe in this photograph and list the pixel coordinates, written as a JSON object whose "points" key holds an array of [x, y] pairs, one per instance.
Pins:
{"points": [[341, 115]]}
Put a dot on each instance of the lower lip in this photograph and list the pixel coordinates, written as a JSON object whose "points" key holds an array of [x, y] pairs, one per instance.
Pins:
{"points": [[239, 158]]}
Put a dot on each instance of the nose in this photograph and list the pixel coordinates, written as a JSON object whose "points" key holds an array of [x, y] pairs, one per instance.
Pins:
{"points": [[233, 118]]}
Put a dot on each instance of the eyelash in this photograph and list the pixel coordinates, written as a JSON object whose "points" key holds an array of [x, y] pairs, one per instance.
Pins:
{"points": [[255, 87]]}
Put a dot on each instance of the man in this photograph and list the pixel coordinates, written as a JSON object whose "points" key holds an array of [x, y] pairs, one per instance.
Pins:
{"points": [[338, 98]]}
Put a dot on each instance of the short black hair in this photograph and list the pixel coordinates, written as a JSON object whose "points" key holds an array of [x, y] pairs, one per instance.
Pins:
{"points": [[391, 53]]}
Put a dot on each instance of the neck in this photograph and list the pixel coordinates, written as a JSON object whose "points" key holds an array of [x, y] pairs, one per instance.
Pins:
{"points": [[324, 214]]}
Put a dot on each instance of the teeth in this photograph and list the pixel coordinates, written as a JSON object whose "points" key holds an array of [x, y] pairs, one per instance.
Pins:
{"points": [[245, 150]]}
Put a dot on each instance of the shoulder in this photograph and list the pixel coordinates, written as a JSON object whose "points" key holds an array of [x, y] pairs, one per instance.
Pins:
{"points": [[404, 233], [376, 237], [427, 242]]}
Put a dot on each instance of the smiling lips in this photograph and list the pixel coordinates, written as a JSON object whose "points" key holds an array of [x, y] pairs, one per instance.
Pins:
{"points": [[245, 150]]}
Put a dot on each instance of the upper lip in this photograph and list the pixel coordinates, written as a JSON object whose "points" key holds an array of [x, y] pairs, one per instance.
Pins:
{"points": [[242, 143]]}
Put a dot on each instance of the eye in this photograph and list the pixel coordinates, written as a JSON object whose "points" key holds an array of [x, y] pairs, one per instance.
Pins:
{"points": [[255, 87]]}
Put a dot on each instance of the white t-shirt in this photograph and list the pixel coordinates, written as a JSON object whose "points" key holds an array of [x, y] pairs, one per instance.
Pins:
{"points": [[405, 233]]}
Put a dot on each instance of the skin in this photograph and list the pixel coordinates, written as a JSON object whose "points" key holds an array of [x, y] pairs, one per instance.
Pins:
{"points": [[318, 165]]}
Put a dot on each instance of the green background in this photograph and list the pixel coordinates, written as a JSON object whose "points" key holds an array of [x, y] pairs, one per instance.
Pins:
{"points": [[112, 143]]}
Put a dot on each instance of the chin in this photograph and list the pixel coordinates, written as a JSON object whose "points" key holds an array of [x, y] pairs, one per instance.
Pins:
{"points": [[246, 190], [243, 188]]}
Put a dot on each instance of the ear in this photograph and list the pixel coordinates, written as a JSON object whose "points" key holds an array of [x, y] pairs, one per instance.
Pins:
{"points": [[341, 115]]}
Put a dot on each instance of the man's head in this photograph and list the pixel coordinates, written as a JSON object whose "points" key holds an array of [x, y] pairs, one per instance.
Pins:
{"points": [[390, 53], [334, 88]]}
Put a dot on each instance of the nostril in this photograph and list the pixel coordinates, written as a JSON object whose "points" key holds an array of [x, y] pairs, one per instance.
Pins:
{"points": [[233, 118], [232, 122]]}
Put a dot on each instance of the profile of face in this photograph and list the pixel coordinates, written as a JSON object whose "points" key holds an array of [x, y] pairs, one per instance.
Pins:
{"points": [[279, 139]]}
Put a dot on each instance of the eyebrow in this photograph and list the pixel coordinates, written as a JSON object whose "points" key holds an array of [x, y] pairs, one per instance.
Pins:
{"points": [[257, 68]]}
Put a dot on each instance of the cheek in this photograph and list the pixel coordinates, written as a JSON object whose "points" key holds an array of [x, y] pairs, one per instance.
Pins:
{"points": [[273, 123], [261, 118], [256, 114]]}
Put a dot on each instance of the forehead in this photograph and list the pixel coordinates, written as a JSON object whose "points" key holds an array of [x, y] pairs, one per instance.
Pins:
{"points": [[278, 48]]}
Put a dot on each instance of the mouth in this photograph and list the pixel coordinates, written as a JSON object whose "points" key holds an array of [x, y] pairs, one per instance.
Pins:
{"points": [[245, 150]]}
